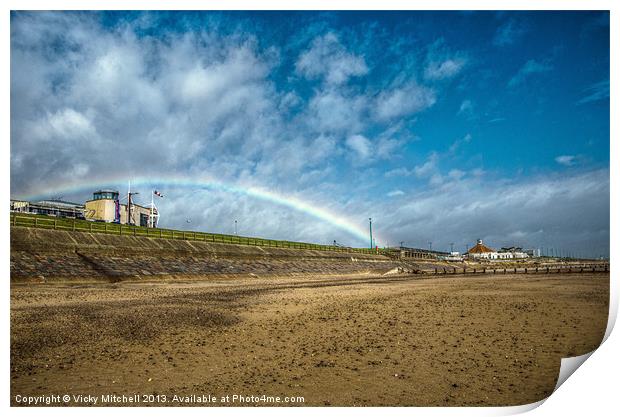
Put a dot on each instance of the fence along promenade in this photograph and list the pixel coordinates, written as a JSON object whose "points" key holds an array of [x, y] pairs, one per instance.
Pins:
{"points": [[76, 225]]}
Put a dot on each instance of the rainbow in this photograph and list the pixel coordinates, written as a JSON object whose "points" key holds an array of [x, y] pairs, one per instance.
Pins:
{"points": [[353, 228]]}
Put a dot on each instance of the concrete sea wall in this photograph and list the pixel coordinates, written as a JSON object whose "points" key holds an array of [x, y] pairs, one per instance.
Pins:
{"points": [[53, 255]]}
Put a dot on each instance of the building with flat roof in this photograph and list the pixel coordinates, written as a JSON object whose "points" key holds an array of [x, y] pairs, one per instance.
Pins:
{"points": [[403, 252], [105, 206], [55, 208]]}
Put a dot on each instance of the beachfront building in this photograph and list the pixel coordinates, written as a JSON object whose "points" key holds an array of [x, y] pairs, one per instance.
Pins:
{"points": [[513, 252], [55, 208], [534, 253], [105, 206], [481, 251], [452, 257]]}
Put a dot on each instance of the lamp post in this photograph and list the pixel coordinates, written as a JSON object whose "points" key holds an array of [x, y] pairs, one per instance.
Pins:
{"points": [[370, 226], [430, 246], [235, 227]]}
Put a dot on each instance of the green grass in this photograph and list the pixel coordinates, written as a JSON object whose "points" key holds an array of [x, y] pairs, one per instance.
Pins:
{"points": [[57, 223]]}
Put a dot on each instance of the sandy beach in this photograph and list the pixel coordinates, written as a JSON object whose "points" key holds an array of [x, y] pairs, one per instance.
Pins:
{"points": [[356, 340]]}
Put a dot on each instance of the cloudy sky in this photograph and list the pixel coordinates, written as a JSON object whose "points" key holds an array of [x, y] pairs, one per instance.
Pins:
{"points": [[443, 127]]}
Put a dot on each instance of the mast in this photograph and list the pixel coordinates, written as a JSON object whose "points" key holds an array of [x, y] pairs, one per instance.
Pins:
{"points": [[129, 203]]}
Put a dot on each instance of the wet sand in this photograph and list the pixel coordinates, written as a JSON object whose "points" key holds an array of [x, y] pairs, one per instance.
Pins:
{"points": [[492, 340]]}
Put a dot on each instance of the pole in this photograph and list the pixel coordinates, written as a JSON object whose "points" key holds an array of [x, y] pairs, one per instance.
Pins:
{"points": [[430, 246], [452, 247], [129, 203], [370, 226], [152, 204], [235, 227]]}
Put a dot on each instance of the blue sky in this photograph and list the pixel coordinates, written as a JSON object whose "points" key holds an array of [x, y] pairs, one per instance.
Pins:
{"points": [[442, 126]]}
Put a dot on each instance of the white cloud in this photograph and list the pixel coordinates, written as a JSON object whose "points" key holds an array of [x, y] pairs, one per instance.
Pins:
{"points": [[566, 160], [529, 68], [428, 167], [456, 174], [466, 108], [392, 140], [457, 143], [388, 147], [70, 124], [441, 63], [596, 92], [440, 70], [361, 146], [508, 33], [290, 100], [403, 101], [436, 179], [497, 120], [329, 59], [395, 193], [399, 172], [332, 111]]}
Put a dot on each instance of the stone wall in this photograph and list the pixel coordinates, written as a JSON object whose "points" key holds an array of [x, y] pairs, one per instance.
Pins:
{"points": [[53, 255]]}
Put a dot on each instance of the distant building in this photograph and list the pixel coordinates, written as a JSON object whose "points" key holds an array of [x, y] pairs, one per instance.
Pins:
{"points": [[515, 252], [481, 251], [55, 208], [535, 253], [452, 257], [105, 206], [403, 252]]}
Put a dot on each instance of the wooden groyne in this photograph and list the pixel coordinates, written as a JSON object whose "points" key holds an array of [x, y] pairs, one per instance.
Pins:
{"points": [[555, 269]]}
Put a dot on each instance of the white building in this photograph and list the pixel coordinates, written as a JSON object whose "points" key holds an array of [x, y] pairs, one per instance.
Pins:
{"points": [[454, 256], [481, 251], [515, 252]]}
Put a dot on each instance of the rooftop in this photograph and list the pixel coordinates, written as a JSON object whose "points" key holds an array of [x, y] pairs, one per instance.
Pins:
{"points": [[480, 248]]}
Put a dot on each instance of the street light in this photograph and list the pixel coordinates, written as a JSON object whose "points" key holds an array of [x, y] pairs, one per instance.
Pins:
{"points": [[370, 226], [235, 227]]}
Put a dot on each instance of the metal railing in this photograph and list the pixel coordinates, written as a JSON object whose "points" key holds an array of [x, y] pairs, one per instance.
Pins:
{"points": [[59, 223]]}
